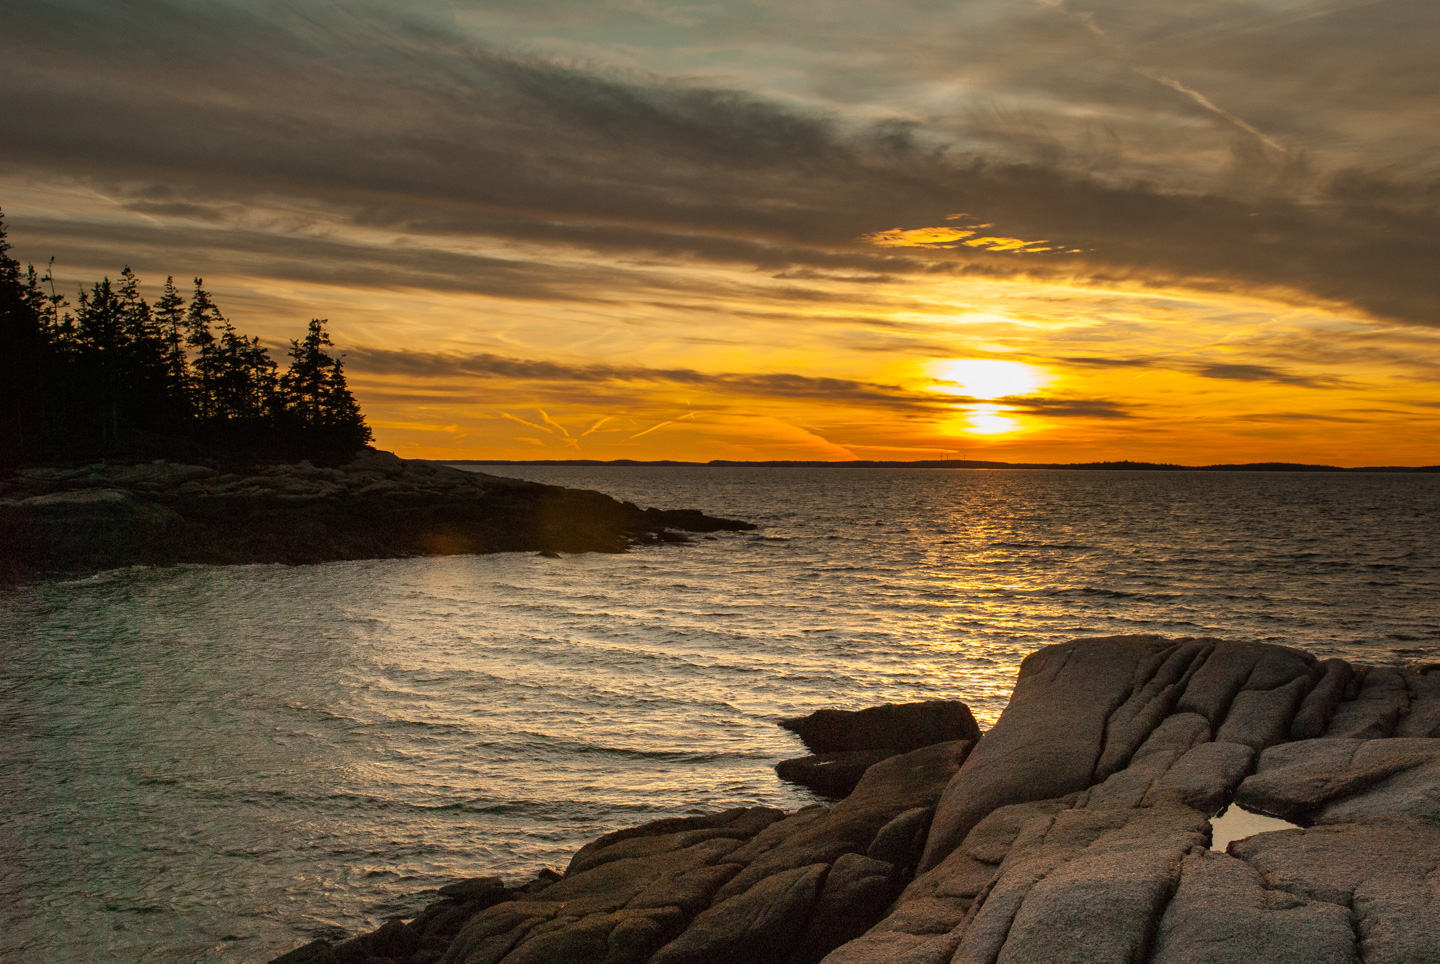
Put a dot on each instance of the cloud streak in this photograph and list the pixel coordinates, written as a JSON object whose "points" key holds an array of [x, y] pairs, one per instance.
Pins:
{"points": [[776, 385]]}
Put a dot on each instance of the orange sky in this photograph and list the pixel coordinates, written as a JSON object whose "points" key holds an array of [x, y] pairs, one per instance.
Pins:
{"points": [[1040, 232]]}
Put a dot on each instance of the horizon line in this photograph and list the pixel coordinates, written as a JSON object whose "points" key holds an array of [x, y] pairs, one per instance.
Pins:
{"points": [[1111, 465]]}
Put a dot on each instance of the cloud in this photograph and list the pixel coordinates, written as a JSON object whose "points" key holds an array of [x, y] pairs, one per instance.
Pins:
{"points": [[1227, 371], [1241, 372], [372, 120]]}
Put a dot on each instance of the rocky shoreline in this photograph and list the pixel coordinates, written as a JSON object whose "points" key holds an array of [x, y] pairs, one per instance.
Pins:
{"points": [[1077, 829], [97, 517]]}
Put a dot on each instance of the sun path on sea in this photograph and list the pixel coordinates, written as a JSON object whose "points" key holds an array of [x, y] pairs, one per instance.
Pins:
{"points": [[1077, 829]]}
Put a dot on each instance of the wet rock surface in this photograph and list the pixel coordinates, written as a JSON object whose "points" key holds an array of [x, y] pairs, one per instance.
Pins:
{"points": [[95, 517], [1076, 829]]}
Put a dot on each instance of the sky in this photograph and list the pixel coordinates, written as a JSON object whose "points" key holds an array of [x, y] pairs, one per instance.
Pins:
{"points": [[1025, 230]]}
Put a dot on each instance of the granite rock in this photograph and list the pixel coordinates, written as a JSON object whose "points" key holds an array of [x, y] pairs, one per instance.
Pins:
{"points": [[893, 728]]}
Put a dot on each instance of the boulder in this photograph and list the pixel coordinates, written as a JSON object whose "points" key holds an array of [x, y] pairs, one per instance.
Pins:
{"points": [[1076, 830], [894, 727], [1049, 740], [1346, 780], [1375, 710], [817, 835], [671, 834], [1423, 718], [902, 840], [1085, 886], [857, 890]]}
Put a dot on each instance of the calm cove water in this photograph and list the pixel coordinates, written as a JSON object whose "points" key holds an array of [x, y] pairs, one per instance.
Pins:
{"points": [[218, 764]]}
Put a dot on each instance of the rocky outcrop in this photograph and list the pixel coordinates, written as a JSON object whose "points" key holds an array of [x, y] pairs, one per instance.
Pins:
{"points": [[104, 516], [845, 743], [1076, 830]]}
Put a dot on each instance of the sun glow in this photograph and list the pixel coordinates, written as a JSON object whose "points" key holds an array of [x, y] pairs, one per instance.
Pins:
{"points": [[989, 378], [991, 420]]}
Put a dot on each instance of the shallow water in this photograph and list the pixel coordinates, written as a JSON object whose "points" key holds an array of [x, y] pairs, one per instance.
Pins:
{"points": [[1236, 823], [217, 764]]}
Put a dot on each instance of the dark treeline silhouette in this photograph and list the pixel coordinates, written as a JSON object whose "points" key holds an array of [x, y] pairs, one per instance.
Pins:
{"points": [[114, 377]]}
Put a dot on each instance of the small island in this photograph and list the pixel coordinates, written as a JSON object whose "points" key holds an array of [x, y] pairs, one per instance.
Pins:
{"points": [[139, 434]]}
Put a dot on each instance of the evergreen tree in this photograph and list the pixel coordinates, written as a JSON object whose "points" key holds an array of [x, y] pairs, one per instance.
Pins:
{"points": [[100, 356], [200, 336], [170, 320], [344, 425], [316, 393], [21, 362], [245, 385], [306, 383], [119, 377]]}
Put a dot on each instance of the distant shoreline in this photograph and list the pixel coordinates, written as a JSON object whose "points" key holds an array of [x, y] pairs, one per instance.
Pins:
{"points": [[960, 464]]}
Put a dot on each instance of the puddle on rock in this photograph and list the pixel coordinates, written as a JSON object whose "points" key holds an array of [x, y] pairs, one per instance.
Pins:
{"points": [[1237, 823]]}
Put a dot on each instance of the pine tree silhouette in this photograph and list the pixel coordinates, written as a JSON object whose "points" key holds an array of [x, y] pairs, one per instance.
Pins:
{"points": [[117, 376]]}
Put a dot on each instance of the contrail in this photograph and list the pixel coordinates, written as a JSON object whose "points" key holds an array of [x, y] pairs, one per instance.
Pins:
{"points": [[671, 421], [1211, 106], [598, 423], [564, 433], [1088, 19], [650, 429]]}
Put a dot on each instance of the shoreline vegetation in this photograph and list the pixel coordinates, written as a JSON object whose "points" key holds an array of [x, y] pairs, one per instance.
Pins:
{"points": [[1078, 829], [1124, 465], [120, 378], [139, 434]]}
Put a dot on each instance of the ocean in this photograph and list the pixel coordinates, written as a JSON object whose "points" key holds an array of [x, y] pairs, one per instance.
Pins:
{"points": [[220, 763]]}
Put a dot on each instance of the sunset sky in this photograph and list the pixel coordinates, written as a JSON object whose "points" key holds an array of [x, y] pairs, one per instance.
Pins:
{"points": [[984, 229]]}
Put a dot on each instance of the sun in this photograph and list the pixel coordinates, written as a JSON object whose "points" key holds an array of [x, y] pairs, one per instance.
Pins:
{"points": [[988, 378], [990, 421]]}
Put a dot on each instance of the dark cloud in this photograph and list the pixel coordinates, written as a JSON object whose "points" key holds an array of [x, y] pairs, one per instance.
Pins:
{"points": [[1298, 417], [1232, 371], [1228, 371], [1071, 407], [368, 119]]}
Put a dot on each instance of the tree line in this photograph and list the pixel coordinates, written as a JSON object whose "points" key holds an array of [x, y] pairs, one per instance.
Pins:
{"points": [[114, 376]]}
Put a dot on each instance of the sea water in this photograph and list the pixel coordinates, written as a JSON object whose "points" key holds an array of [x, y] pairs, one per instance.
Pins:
{"points": [[220, 763]]}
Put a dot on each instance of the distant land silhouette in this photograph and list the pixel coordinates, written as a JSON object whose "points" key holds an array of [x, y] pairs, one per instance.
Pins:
{"points": [[963, 464]]}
